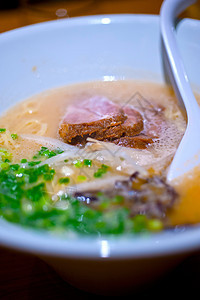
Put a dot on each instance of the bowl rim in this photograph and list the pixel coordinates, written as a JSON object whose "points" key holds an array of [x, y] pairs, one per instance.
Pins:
{"points": [[165, 243], [99, 19]]}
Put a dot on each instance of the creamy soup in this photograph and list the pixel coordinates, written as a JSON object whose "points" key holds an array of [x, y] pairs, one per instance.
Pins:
{"points": [[92, 158]]}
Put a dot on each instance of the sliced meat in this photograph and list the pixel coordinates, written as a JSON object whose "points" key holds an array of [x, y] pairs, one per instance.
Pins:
{"points": [[100, 106], [154, 120], [133, 125], [138, 142], [109, 133], [101, 119], [92, 115]]}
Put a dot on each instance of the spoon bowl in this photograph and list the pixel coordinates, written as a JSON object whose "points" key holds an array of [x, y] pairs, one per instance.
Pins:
{"points": [[188, 154]]}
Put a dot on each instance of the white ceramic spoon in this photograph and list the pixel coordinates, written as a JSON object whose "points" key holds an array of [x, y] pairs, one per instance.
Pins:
{"points": [[188, 153]]}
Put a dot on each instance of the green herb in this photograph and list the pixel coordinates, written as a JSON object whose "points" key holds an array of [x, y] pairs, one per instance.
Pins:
{"points": [[87, 162], [104, 205], [7, 160], [15, 167], [140, 223], [118, 199], [101, 171], [36, 193], [23, 161], [32, 174], [64, 180], [5, 155], [99, 194], [33, 163], [81, 178], [14, 136], [78, 163], [45, 152], [4, 165], [24, 199], [154, 225], [48, 176], [104, 167], [2, 130]]}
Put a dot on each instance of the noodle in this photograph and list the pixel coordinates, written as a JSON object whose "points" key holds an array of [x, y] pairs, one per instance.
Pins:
{"points": [[31, 107], [7, 141], [28, 108], [33, 126]]}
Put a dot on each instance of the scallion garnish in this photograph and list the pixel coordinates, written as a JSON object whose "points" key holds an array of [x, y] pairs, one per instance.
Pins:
{"points": [[78, 163], [87, 162], [81, 178], [101, 171], [64, 180], [14, 136], [45, 152], [23, 161]]}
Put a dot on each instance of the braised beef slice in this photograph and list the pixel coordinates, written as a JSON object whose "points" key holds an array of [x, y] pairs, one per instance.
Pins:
{"points": [[133, 125], [154, 121], [101, 119], [108, 134], [95, 114], [139, 141]]}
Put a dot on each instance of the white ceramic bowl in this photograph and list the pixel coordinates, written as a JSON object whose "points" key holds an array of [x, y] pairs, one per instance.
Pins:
{"points": [[108, 47]]}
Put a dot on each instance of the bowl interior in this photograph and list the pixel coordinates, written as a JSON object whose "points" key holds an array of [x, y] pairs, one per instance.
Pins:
{"points": [[110, 47]]}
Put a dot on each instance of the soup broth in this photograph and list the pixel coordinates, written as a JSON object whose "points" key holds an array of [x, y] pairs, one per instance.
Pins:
{"points": [[48, 182]]}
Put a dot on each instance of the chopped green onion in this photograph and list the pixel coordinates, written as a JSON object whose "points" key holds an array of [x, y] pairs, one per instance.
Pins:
{"points": [[118, 199], [5, 155], [15, 167], [99, 194], [154, 225], [36, 192], [104, 205], [64, 180], [140, 223], [7, 160], [105, 167], [49, 176], [101, 171], [45, 152], [81, 178], [78, 163], [33, 163], [4, 165], [2, 130], [14, 136], [87, 162], [25, 199], [23, 161]]}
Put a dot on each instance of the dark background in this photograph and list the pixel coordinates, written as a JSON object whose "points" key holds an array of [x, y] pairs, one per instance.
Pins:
{"points": [[24, 276]]}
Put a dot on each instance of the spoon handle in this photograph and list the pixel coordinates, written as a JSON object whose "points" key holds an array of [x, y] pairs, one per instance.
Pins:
{"points": [[169, 11], [187, 155]]}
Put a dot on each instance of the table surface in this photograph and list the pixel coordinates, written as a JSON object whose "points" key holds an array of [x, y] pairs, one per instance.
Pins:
{"points": [[24, 276]]}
